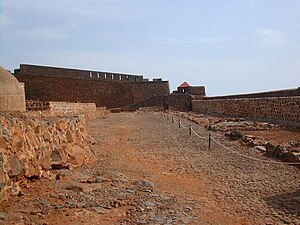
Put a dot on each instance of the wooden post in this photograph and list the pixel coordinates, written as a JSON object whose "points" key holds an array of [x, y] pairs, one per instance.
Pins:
{"points": [[190, 129], [209, 141], [179, 124]]}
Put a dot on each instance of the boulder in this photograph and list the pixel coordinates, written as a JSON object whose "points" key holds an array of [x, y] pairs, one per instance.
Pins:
{"points": [[234, 135], [292, 157], [17, 168]]}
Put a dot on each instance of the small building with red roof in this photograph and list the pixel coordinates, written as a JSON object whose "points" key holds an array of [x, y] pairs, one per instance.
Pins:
{"points": [[185, 88]]}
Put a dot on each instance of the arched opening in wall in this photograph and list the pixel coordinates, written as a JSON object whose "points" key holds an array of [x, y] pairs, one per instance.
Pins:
{"points": [[91, 75], [183, 90], [120, 77], [98, 75], [127, 77], [105, 76], [112, 76]]}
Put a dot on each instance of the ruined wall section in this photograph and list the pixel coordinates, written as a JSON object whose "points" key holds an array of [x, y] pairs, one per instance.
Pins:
{"points": [[31, 146], [273, 108], [61, 108], [89, 110]]}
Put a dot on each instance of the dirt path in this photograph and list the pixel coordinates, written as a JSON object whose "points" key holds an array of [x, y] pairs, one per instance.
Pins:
{"points": [[147, 171]]}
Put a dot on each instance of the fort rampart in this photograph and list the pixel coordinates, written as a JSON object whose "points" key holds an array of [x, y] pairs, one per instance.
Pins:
{"points": [[272, 108], [35, 70], [68, 85]]}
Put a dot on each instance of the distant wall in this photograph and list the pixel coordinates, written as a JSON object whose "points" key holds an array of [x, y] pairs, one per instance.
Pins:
{"points": [[278, 93], [110, 94], [179, 102], [273, 108], [175, 102]]}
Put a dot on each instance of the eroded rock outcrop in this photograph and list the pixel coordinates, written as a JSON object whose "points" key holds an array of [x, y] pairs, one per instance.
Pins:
{"points": [[31, 146]]}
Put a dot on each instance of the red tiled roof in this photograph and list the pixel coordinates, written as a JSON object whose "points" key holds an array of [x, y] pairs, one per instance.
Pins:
{"points": [[184, 84]]}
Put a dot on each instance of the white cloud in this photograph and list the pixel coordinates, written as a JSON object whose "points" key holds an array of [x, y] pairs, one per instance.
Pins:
{"points": [[271, 37]]}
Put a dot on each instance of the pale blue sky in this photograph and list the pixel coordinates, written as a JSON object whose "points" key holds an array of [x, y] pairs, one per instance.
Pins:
{"points": [[230, 46]]}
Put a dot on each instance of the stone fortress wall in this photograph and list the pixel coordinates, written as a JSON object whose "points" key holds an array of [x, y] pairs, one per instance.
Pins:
{"points": [[282, 105], [105, 89], [47, 71]]}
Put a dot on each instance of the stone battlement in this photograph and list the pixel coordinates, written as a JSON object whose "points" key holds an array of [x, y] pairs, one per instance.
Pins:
{"points": [[36, 70]]}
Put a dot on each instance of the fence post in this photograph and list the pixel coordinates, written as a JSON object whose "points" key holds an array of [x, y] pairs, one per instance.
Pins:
{"points": [[179, 124], [190, 129], [209, 141]]}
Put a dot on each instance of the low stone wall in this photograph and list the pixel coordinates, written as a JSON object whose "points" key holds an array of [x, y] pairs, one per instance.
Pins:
{"points": [[31, 146], [61, 108], [277, 108]]}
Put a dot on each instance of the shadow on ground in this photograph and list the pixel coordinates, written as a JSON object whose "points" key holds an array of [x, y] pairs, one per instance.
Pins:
{"points": [[288, 203]]}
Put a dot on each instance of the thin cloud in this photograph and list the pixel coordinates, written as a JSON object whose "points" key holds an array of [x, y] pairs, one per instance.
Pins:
{"points": [[213, 39], [201, 40], [271, 37], [169, 40], [85, 10], [50, 32]]}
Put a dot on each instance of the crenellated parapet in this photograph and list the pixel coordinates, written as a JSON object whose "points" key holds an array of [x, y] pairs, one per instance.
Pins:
{"points": [[36, 70]]}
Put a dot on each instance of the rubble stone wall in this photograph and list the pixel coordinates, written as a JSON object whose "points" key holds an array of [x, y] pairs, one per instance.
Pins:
{"points": [[61, 108], [31, 146], [273, 108]]}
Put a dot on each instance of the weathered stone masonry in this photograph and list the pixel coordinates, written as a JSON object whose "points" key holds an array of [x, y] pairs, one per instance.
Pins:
{"points": [[273, 108], [58, 84], [31, 146]]}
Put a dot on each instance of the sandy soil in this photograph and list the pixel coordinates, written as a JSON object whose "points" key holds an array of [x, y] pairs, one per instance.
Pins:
{"points": [[148, 171]]}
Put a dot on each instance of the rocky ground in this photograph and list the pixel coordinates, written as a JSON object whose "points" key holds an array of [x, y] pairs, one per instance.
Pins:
{"points": [[148, 171], [281, 141]]}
